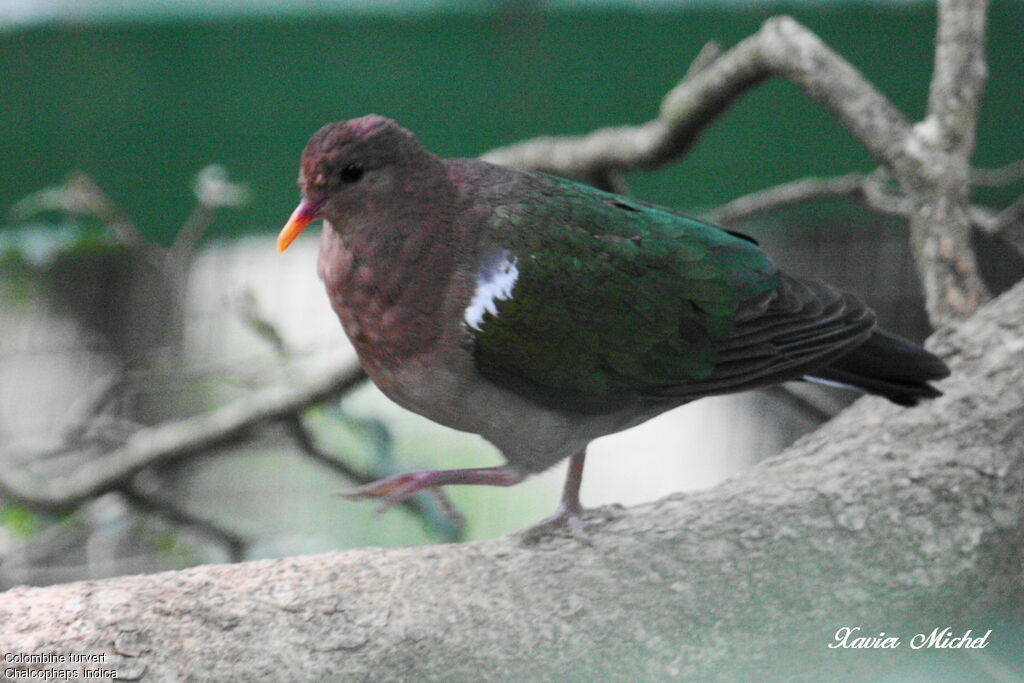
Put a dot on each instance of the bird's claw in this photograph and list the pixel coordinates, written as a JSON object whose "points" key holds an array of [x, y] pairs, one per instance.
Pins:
{"points": [[396, 488], [391, 490], [568, 519]]}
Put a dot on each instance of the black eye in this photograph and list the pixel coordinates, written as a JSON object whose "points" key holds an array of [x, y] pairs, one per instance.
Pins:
{"points": [[352, 172]]}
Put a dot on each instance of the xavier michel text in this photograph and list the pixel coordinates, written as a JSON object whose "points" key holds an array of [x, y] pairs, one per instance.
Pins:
{"points": [[851, 637]]}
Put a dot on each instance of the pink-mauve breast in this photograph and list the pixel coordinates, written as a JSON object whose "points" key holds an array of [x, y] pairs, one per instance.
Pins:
{"points": [[389, 300]]}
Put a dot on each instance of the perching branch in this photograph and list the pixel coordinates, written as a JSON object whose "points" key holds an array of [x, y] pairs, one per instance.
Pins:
{"points": [[888, 519]]}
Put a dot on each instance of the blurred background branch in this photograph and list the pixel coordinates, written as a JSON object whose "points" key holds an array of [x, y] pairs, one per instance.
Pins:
{"points": [[102, 451]]}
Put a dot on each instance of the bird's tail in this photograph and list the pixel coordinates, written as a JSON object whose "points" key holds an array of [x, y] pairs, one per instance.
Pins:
{"points": [[888, 366]]}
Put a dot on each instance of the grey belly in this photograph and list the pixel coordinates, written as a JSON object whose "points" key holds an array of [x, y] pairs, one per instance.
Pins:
{"points": [[531, 437]]}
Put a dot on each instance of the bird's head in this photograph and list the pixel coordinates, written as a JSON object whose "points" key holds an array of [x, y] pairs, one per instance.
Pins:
{"points": [[350, 168]]}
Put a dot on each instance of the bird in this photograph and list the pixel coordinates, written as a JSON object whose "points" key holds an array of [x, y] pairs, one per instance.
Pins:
{"points": [[542, 313]]}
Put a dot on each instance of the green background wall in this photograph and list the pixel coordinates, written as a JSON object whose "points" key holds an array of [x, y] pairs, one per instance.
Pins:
{"points": [[142, 106]]}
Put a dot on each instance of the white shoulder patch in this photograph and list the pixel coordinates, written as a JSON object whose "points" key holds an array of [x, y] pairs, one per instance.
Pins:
{"points": [[494, 283]]}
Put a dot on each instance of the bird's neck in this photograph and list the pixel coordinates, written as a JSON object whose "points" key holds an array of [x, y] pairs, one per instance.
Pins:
{"points": [[390, 282]]}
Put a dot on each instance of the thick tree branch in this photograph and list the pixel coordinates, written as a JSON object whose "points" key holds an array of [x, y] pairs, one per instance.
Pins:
{"points": [[887, 518], [943, 143], [958, 78]]}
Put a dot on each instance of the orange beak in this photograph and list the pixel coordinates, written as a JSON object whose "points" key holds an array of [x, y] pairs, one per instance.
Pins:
{"points": [[306, 212]]}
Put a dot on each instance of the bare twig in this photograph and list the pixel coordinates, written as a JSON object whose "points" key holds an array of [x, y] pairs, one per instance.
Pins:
{"points": [[416, 504], [958, 77], [788, 194], [167, 509], [998, 177], [707, 55], [1009, 224], [87, 408], [305, 441], [256, 321], [213, 191], [872, 190], [191, 231]]}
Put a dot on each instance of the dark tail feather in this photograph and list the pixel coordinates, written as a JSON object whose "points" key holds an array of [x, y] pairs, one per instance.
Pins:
{"points": [[888, 366]]}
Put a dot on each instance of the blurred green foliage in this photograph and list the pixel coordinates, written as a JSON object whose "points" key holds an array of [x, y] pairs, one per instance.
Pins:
{"points": [[22, 523]]}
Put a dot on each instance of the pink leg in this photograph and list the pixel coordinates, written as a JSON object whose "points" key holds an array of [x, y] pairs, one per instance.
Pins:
{"points": [[569, 510], [569, 507], [396, 488]]}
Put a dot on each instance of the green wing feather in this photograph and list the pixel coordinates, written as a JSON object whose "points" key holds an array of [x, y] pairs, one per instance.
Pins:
{"points": [[613, 296]]}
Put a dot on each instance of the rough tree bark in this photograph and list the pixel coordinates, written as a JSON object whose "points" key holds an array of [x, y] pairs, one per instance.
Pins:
{"points": [[889, 519], [943, 144]]}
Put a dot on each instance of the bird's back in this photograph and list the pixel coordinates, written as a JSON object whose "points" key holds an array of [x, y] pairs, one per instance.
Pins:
{"points": [[605, 299]]}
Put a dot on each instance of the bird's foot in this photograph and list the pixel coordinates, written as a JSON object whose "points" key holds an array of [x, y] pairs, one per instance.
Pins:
{"points": [[567, 518], [394, 489], [569, 514]]}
